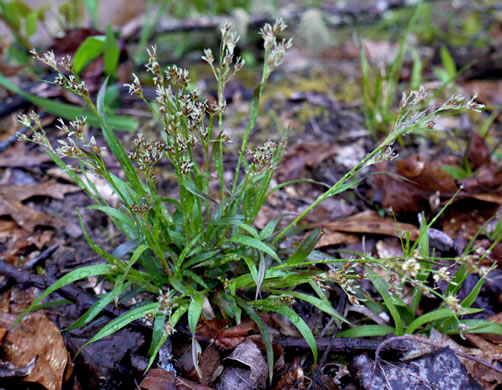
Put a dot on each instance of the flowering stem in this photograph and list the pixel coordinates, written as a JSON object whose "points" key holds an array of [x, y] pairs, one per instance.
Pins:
{"points": [[255, 106], [332, 191]]}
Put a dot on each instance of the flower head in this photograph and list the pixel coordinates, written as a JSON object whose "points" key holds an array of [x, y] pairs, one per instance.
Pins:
{"points": [[135, 87]]}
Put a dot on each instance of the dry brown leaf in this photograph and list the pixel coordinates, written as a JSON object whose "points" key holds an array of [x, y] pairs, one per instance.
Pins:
{"points": [[489, 91], [158, 379], [301, 155], [478, 152], [35, 337], [210, 365], [19, 239], [464, 218], [371, 223], [226, 338], [23, 215], [294, 378], [254, 376], [428, 176], [12, 195], [337, 238], [51, 189], [21, 160], [418, 182], [490, 197], [487, 180], [488, 378], [389, 247], [186, 384]]}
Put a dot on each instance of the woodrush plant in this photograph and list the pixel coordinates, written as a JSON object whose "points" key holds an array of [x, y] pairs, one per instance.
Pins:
{"points": [[200, 253], [402, 282]]}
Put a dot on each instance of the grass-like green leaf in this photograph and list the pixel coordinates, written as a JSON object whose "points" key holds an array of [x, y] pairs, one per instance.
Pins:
{"points": [[199, 259], [184, 253], [269, 228], [88, 51], [305, 248], [254, 243], [252, 267], [429, 317], [114, 143], [299, 323], [157, 331], [123, 274], [78, 274], [118, 323], [251, 230], [92, 6], [192, 275], [458, 173], [382, 289], [448, 62], [100, 251], [264, 333], [262, 268], [469, 299], [476, 326], [323, 305], [192, 188], [31, 23], [246, 279], [123, 222], [195, 311], [95, 309], [367, 331], [69, 111], [112, 51], [173, 320]]}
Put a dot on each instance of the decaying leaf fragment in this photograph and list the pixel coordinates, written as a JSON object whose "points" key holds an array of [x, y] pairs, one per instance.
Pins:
{"points": [[253, 376], [35, 339]]}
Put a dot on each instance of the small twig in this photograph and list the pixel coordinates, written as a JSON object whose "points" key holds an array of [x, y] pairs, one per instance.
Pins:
{"points": [[342, 345], [30, 264]]}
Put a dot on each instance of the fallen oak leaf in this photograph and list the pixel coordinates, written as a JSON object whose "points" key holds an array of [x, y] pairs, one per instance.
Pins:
{"points": [[23, 215], [11, 197], [371, 223], [159, 379], [35, 337], [336, 238], [491, 353], [51, 189], [226, 338], [302, 155], [252, 377], [415, 183]]}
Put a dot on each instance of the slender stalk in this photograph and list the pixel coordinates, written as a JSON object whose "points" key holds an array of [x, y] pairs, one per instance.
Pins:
{"points": [[207, 156], [332, 191], [255, 105]]}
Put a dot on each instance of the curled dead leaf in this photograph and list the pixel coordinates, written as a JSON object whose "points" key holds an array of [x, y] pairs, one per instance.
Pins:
{"points": [[35, 338]]}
